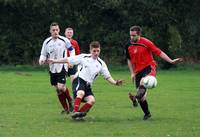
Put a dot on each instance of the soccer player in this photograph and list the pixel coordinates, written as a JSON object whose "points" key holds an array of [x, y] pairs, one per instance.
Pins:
{"points": [[54, 47], [69, 33], [139, 53], [91, 66]]}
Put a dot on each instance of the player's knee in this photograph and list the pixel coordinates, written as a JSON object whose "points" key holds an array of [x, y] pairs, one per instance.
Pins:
{"points": [[141, 91], [91, 100], [80, 93], [61, 87]]}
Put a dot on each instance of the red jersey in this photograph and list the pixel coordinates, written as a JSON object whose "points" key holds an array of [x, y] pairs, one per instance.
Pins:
{"points": [[75, 46], [141, 54]]}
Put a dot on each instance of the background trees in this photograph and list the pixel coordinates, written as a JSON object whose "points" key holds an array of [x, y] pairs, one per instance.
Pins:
{"points": [[172, 24]]}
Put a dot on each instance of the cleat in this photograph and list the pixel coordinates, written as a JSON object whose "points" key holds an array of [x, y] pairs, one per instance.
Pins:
{"points": [[147, 116], [74, 115], [78, 119], [133, 99], [64, 112], [82, 114]]}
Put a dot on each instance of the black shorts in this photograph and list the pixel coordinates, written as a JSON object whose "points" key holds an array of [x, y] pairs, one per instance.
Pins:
{"points": [[56, 78], [80, 84], [72, 71], [142, 74]]}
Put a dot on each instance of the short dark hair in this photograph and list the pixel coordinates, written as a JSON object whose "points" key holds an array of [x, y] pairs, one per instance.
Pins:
{"points": [[69, 28], [138, 29], [95, 44], [54, 24]]}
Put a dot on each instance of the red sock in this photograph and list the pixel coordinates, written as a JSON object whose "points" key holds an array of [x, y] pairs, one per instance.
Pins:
{"points": [[69, 98], [85, 107], [77, 102], [62, 99]]}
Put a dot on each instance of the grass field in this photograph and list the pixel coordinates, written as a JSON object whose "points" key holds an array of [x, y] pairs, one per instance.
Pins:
{"points": [[29, 107]]}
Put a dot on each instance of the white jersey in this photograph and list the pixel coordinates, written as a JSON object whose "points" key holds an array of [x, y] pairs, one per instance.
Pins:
{"points": [[89, 67], [56, 49]]}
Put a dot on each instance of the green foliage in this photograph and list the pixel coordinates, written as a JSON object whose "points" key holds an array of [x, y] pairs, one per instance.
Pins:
{"points": [[25, 24]]}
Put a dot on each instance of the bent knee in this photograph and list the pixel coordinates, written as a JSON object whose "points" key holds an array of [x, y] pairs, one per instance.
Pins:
{"points": [[91, 100], [80, 93]]}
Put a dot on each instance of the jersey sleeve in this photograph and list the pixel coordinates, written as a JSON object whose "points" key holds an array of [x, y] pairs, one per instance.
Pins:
{"points": [[69, 47], [75, 60], [104, 71], [77, 49], [44, 53], [155, 50], [126, 50]]}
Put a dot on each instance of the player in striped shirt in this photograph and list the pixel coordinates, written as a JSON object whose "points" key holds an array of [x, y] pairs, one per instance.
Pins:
{"points": [[54, 47], [91, 67]]}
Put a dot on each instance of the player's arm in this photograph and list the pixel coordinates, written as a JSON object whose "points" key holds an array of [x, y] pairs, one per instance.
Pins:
{"points": [[131, 68], [42, 59], [74, 60], [62, 60], [43, 55], [77, 49], [115, 82], [70, 47], [105, 72], [161, 54], [168, 59]]}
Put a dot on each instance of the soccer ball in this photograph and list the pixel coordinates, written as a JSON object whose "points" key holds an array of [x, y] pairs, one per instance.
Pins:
{"points": [[149, 82]]}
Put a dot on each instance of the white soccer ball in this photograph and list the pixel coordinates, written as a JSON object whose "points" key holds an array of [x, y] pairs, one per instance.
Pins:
{"points": [[149, 82]]}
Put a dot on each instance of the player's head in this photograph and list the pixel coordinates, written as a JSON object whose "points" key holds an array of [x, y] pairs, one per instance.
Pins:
{"points": [[95, 49], [135, 33], [69, 33], [54, 30]]}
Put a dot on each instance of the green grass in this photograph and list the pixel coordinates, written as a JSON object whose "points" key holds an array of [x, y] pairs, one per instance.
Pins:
{"points": [[29, 107]]}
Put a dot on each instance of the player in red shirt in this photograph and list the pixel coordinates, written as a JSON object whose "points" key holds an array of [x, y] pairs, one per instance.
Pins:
{"points": [[139, 53], [69, 33]]}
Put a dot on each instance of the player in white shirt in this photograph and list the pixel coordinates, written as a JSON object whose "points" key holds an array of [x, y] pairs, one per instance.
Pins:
{"points": [[90, 66], [54, 47]]}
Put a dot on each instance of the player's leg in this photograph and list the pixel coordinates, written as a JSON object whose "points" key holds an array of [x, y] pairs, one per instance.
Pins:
{"points": [[60, 94], [71, 73], [90, 100], [142, 91], [69, 99], [64, 92]]}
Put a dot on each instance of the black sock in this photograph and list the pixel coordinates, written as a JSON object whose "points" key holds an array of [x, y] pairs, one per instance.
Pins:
{"points": [[144, 106]]}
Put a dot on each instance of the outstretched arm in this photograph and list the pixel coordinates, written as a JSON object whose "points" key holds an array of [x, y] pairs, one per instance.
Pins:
{"points": [[115, 82], [62, 60], [168, 59]]}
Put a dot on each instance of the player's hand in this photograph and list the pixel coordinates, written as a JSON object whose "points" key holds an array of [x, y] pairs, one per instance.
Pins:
{"points": [[119, 82], [176, 61], [133, 78], [42, 62]]}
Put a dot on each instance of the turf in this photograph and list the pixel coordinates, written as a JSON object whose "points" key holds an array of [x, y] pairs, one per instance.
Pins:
{"points": [[29, 107]]}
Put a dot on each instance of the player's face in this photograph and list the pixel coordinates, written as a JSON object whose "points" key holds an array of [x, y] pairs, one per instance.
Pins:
{"points": [[95, 52], [134, 36], [69, 34], [55, 30]]}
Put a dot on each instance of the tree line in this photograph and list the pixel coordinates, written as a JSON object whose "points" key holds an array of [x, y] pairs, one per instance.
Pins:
{"points": [[173, 25]]}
